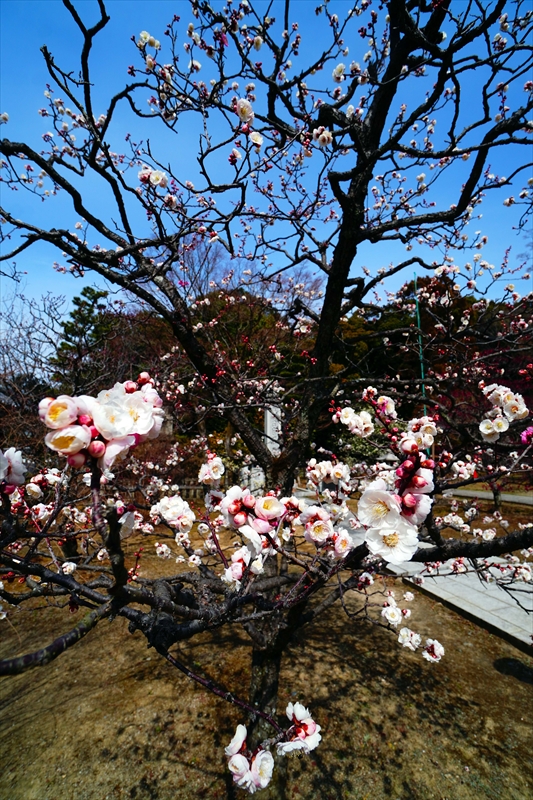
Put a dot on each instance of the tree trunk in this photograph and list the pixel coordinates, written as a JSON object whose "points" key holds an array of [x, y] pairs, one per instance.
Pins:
{"points": [[497, 496], [264, 684]]}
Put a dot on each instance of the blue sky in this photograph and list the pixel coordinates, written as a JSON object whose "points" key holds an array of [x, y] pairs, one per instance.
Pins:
{"points": [[28, 24]]}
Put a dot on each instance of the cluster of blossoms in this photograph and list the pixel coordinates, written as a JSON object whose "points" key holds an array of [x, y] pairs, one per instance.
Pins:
{"points": [[359, 424], [322, 136], [211, 472], [155, 178], [422, 431], [464, 469], [253, 771], [391, 515], [103, 427], [327, 472], [506, 407], [258, 520], [175, 511]]}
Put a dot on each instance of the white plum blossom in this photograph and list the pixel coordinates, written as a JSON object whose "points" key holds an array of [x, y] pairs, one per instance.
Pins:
{"points": [[58, 413], [377, 506], [12, 467], [158, 178], [33, 490], [416, 507], [359, 424], [488, 431], [245, 111], [433, 651], [392, 614], [261, 769], [68, 567], [175, 511], [395, 543], [409, 638], [69, 440], [306, 733], [212, 471], [268, 508], [338, 73], [256, 139], [237, 742], [162, 550], [343, 544], [323, 136], [239, 767], [386, 406]]}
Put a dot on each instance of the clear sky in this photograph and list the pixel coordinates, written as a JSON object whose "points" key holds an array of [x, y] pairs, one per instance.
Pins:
{"points": [[28, 24]]}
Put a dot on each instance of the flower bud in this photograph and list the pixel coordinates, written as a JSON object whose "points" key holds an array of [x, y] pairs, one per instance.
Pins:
{"points": [[409, 500], [418, 482], [96, 448], [248, 501], [408, 465], [234, 507], [77, 460], [85, 419], [130, 387], [428, 463], [240, 519]]}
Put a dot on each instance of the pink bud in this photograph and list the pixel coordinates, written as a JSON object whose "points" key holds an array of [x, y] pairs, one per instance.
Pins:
{"points": [[234, 507], [248, 501], [77, 460], [96, 448], [130, 387], [409, 500], [85, 419], [240, 519], [144, 377], [408, 465], [400, 472], [94, 432], [428, 463], [418, 482], [9, 488]]}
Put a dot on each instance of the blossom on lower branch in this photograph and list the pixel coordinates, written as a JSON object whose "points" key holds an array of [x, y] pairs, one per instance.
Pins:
{"points": [[433, 651], [252, 773], [305, 733]]}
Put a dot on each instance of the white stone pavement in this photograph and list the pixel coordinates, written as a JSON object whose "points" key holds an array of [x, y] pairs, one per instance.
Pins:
{"points": [[506, 497]]}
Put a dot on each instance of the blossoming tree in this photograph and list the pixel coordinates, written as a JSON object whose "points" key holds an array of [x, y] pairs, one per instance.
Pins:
{"points": [[298, 164]]}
